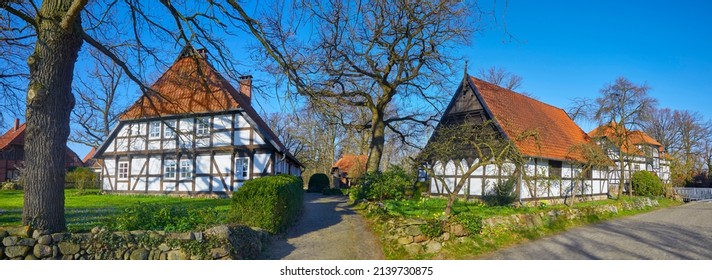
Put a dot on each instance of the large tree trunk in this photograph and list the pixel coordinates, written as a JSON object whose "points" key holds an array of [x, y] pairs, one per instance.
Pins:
{"points": [[49, 103], [375, 149], [621, 182]]}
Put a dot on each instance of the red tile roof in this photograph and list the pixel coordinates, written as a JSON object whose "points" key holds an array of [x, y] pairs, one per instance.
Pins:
{"points": [[352, 164], [192, 85], [635, 137], [89, 155], [17, 137], [516, 114], [13, 137]]}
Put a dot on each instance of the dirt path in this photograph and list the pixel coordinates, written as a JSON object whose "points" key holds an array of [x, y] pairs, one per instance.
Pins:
{"points": [[683, 232], [330, 230]]}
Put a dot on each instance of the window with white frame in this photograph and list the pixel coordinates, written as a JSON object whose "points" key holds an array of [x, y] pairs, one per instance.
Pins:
{"points": [[169, 169], [186, 169], [169, 129], [242, 167], [202, 126], [123, 170], [155, 130]]}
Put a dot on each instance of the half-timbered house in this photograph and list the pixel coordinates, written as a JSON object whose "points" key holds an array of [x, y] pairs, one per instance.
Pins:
{"points": [[193, 133], [640, 152], [554, 166], [12, 153]]}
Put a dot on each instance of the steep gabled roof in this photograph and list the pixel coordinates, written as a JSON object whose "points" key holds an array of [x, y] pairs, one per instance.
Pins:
{"points": [[192, 86], [635, 137], [13, 137], [515, 114], [352, 164]]}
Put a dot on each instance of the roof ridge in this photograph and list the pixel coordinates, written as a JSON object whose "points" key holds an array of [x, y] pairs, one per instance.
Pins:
{"points": [[517, 93]]}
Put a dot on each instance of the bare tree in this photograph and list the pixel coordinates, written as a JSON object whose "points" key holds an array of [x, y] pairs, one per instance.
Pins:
{"points": [[501, 77], [581, 108], [48, 37], [369, 54], [692, 130], [101, 99], [662, 126], [623, 106]]}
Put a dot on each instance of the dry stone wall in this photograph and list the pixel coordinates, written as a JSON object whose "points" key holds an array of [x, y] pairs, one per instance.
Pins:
{"points": [[408, 232], [220, 242]]}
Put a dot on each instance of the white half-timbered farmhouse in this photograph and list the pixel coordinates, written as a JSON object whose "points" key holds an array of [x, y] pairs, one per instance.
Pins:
{"points": [[553, 164], [640, 152], [194, 133]]}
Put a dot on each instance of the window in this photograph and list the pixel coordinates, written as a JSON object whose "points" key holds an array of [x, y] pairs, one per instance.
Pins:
{"points": [[636, 167], [123, 170], [169, 129], [555, 169], [242, 167], [155, 131], [169, 169], [203, 126], [186, 169]]}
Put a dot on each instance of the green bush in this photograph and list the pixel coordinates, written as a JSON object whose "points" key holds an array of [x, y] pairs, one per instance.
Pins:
{"points": [[647, 184], [81, 178], [272, 203], [391, 184], [156, 217], [318, 182], [502, 194], [471, 221], [432, 228]]}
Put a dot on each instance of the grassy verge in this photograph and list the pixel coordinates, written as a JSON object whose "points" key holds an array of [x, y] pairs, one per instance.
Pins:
{"points": [[84, 211], [476, 245]]}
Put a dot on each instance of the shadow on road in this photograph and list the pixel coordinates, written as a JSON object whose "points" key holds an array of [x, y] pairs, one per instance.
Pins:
{"points": [[321, 214]]}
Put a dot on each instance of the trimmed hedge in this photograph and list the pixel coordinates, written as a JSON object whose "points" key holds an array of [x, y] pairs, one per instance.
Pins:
{"points": [[647, 184], [272, 203], [318, 182]]}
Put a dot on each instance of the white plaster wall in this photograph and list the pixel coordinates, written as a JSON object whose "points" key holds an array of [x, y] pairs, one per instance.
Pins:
{"points": [[222, 122], [240, 121], [154, 184], [123, 186], [260, 163], [202, 164], [202, 184], [221, 138], [242, 137], [154, 144], [154, 165], [258, 139], [185, 186], [475, 186]]}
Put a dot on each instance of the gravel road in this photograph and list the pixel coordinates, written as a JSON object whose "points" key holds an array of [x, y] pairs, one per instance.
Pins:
{"points": [[328, 230], [683, 232]]}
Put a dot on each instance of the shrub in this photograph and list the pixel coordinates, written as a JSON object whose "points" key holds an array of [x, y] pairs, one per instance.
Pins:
{"points": [[318, 182], [471, 221], [502, 194], [9, 185], [391, 184], [156, 217], [272, 203], [647, 184], [432, 228], [81, 178]]}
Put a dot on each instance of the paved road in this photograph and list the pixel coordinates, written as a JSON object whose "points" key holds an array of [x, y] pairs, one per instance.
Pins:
{"points": [[328, 230], [683, 232]]}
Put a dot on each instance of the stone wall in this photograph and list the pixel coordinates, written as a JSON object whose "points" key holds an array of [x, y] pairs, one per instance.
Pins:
{"points": [[409, 233], [220, 242]]}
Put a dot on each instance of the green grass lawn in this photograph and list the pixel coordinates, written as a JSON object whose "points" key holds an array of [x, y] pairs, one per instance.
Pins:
{"points": [[84, 211]]}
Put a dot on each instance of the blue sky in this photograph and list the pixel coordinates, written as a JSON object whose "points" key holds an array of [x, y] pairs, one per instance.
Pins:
{"points": [[567, 49]]}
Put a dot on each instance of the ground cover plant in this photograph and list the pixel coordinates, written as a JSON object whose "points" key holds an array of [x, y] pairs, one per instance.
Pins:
{"points": [[91, 208]]}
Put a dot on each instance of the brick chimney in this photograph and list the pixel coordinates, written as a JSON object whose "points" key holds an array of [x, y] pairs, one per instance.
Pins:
{"points": [[17, 124], [246, 87]]}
